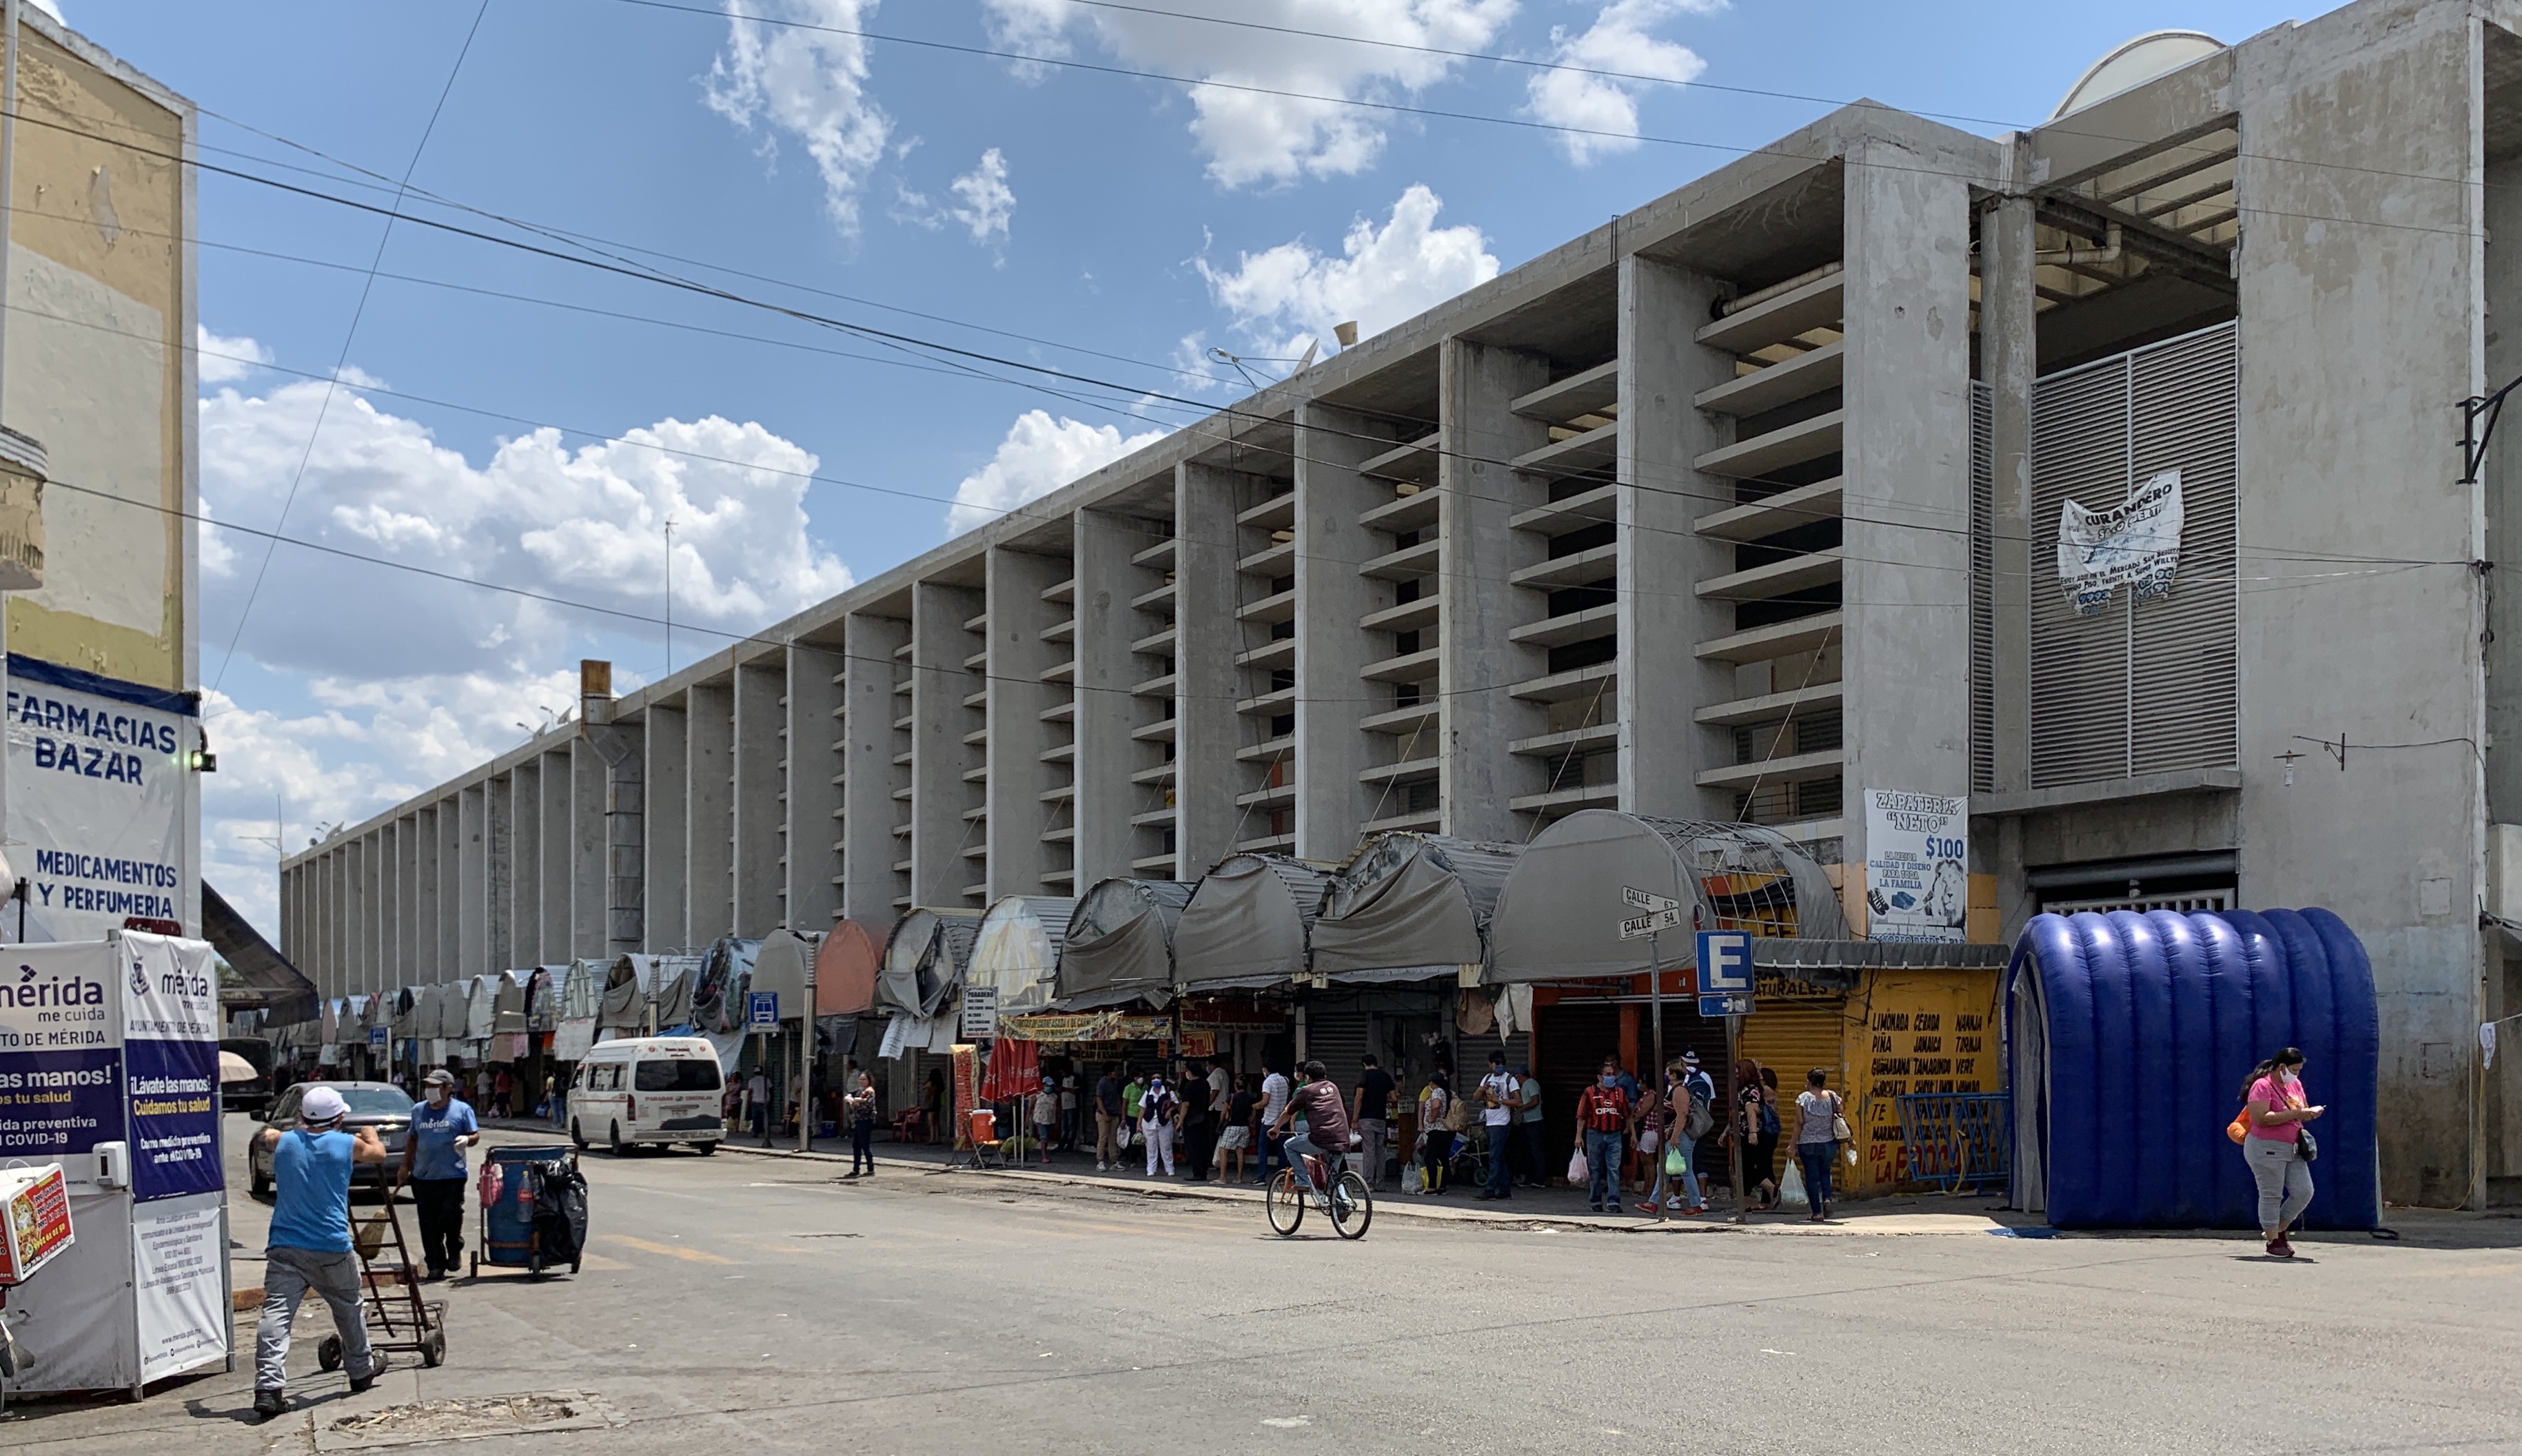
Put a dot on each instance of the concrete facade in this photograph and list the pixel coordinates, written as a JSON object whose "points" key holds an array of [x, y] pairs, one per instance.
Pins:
{"points": [[1730, 509]]}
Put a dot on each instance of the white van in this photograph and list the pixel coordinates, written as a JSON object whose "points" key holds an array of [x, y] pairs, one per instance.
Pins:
{"points": [[648, 1089]]}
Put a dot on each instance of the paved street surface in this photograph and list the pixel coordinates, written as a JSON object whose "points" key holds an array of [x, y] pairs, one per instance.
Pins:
{"points": [[750, 1303]]}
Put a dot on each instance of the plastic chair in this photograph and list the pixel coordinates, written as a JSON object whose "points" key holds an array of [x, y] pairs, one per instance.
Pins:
{"points": [[987, 1149]]}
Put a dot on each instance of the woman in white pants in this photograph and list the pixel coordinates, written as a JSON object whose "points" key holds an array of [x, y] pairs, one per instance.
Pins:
{"points": [[1156, 1121]]}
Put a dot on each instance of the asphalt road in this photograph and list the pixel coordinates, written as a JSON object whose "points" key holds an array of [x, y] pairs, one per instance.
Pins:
{"points": [[747, 1303]]}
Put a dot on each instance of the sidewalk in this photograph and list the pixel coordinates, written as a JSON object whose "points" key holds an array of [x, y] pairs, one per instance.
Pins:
{"points": [[1562, 1208]]}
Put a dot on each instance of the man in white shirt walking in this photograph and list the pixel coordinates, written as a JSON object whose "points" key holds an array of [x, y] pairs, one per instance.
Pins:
{"points": [[1500, 1097], [1275, 1091]]}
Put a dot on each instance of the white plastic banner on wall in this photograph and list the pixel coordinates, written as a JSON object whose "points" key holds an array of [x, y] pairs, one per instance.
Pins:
{"points": [[179, 1284], [2135, 543], [96, 798], [1917, 866]]}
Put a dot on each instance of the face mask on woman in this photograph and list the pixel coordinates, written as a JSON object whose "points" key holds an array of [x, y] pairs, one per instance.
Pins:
{"points": [[1610, 1080]]}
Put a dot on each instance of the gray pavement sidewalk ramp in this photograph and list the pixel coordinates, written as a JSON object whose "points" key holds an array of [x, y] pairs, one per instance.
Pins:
{"points": [[1119, 946]]}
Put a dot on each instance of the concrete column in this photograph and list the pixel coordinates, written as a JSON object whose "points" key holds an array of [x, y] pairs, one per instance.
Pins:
{"points": [[1476, 775], [336, 866], [391, 919], [525, 862], [587, 892], [621, 751], [361, 963], [761, 776], [475, 873], [1107, 756], [1330, 649], [1206, 682], [709, 854], [868, 847], [815, 677], [1018, 737], [494, 816], [1663, 682], [559, 831], [427, 954], [1907, 466], [669, 750], [2009, 361], [939, 831]]}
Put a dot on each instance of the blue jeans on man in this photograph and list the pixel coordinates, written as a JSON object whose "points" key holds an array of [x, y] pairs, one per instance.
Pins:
{"points": [[1273, 1148], [1603, 1164], [1501, 1171]]}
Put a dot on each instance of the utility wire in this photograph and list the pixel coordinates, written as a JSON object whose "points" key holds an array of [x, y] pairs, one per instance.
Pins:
{"points": [[349, 336]]}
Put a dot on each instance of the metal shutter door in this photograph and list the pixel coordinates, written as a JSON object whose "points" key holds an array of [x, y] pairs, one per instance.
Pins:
{"points": [[2184, 650], [1791, 1039], [2141, 687]]}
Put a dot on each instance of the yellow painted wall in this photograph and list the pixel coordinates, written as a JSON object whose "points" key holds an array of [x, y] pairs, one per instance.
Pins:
{"points": [[1912, 1032], [99, 368]]}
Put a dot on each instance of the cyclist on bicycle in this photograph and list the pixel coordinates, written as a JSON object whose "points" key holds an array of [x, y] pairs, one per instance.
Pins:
{"points": [[1326, 1132]]}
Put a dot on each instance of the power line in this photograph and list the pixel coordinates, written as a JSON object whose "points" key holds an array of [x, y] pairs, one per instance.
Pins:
{"points": [[349, 336]]}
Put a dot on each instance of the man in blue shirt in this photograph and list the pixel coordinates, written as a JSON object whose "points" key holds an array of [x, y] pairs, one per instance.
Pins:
{"points": [[443, 1126], [310, 1243]]}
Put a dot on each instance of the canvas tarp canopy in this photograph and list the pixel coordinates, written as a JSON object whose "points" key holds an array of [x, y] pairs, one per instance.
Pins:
{"points": [[714, 1001], [1409, 906], [779, 968], [844, 970], [378, 1012], [441, 1018], [581, 992], [1248, 923], [482, 1005], [508, 1012], [925, 959], [1558, 916], [269, 981], [1120, 944], [406, 1005], [1016, 949], [544, 989]]}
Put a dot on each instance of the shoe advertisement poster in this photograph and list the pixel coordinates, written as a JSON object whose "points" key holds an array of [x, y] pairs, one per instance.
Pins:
{"points": [[1917, 866]]}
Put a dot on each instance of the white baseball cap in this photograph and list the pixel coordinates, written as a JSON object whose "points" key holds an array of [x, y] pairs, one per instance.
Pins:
{"points": [[322, 1105]]}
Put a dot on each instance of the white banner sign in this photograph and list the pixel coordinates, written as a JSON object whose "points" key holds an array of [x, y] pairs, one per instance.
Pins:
{"points": [[2135, 543], [1917, 866], [96, 796], [181, 1290]]}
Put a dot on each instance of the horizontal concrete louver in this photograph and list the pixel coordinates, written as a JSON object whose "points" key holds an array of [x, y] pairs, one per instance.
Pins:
{"points": [[2140, 688], [1983, 592]]}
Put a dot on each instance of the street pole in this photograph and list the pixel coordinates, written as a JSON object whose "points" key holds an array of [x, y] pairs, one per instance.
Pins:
{"points": [[8, 215], [1733, 1060], [806, 1057], [1654, 1000]]}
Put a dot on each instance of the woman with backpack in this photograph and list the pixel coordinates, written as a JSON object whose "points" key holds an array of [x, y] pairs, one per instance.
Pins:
{"points": [[1821, 1117], [1756, 1122], [1157, 1107]]}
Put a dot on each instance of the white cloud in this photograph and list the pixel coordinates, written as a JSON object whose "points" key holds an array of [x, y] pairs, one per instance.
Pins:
{"points": [[48, 8], [809, 83], [1039, 455], [1618, 40], [583, 524], [1250, 137], [223, 360], [1289, 294], [988, 202]]}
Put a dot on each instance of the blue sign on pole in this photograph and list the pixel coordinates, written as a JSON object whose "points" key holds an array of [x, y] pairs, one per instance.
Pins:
{"points": [[1724, 962], [761, 1010]]}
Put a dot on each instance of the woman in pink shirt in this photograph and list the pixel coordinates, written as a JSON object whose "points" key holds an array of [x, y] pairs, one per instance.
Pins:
{"points": [[2275, 1110]]}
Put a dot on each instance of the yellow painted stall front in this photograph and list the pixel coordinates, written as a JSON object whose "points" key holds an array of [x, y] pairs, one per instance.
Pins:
{"points": [[1913, 1032]]}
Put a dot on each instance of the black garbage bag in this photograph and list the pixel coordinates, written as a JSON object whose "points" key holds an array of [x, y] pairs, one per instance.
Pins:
{"points": [[560, 1214]]}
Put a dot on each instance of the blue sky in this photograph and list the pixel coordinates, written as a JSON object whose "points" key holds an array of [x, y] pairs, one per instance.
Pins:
{"points": [[1120, 225]]}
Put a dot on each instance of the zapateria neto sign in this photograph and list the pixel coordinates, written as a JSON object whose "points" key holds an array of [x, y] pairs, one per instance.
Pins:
{"points": [[2135, 543]]}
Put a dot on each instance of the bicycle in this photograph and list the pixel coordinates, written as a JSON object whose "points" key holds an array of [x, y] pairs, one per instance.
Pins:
{"points": [[1346, 1201]]}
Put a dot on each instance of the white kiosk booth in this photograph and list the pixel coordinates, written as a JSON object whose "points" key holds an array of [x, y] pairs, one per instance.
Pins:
{"points": [[109, 1066]]}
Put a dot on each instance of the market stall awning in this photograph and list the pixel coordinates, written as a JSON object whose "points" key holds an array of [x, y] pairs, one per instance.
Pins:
{"points": [[924, 961], [1120, 944], [778, 968], [1409, 906], [1015, 950], [264, 976], [1560, 914], [1248, 923], [845, 970]]}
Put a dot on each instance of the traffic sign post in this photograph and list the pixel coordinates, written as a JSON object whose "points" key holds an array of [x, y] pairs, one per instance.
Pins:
{"points": [[762, 1018], [1725, 990], [1660, 913]]}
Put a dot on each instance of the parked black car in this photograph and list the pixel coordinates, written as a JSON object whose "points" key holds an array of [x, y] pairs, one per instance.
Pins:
{"points": [[382, 1106]]}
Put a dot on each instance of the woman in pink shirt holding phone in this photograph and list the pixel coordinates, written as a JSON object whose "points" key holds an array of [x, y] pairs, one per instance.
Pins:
{"points": [[2276, 1146]]}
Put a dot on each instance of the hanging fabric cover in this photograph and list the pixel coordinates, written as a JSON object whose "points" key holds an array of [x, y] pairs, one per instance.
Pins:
{"points": [[1248, 923], [1120, 944], [1409, 906]]}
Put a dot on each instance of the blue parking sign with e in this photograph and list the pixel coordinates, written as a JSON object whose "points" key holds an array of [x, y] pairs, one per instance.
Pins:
{"points": [[762, 1008], [1724, 963]]}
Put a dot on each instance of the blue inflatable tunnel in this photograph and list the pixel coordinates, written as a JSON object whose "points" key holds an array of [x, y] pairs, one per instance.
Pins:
{"points": [[2128, 1038]]}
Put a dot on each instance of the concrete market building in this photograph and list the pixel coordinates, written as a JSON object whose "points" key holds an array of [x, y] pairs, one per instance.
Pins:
{"points": [[1846, 470]]}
